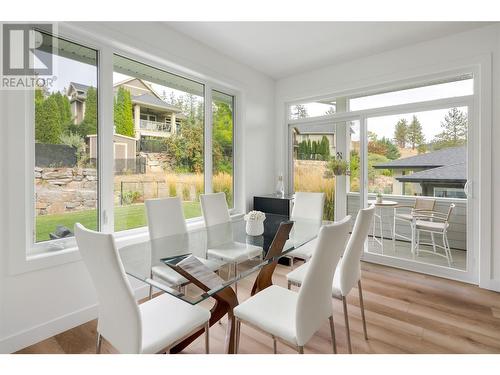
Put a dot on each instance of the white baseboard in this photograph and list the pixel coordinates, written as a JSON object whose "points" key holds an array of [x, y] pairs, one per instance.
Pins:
{"points": [[491, 284], [25, 338]]}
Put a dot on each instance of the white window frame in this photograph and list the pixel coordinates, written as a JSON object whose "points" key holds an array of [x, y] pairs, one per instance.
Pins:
{"points": [[479, 142], [24, 254]]}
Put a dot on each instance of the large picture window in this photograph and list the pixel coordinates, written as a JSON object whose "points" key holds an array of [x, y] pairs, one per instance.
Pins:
{"points": [[158, 144], [66, 128], [159, 140]]}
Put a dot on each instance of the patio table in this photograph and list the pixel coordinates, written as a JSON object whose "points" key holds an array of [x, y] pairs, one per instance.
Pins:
{"points": [[379, 206]]}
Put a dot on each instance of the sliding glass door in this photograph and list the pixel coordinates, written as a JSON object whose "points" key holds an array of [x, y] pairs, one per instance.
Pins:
{"points": [[417, 164]]}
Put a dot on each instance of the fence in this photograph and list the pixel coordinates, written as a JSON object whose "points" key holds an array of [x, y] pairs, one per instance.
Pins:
{"points": [[136, 165], [139, 191], [54, 156], [152, 145]]}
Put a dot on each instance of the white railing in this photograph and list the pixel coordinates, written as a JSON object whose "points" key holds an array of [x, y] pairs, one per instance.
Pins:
{"points": [[155, 126], [457, 232]]}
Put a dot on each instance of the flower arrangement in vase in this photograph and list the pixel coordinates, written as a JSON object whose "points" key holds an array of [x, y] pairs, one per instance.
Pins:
{"points": [[255, 223], [379, 198]]}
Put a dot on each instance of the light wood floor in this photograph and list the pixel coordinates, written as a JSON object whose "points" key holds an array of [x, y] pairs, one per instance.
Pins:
{"points": [[406, 312]]}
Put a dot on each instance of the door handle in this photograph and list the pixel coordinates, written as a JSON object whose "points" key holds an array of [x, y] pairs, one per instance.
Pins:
{"points": [[467, 189]]}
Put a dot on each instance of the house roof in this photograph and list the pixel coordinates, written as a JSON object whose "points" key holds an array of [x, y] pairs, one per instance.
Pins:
{"points": [[80, 87], [152, 101], [440, 158], [144, 83], [448, 173]]}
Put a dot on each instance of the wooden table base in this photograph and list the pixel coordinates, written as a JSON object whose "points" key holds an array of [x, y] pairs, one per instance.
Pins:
{"points": [[265, 277], [226, 299]]}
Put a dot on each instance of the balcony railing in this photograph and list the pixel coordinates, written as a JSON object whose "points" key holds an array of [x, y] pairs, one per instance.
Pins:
{"points": [[458, 220], [155, 126]]}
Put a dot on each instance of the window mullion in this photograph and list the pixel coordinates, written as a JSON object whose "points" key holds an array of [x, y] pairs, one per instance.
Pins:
{"points": [[105, 139], [208, 162]]}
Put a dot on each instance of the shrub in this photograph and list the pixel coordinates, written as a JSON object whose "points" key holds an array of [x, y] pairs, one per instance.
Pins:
{"points": [[186, 192], [199, 187], [129, 197], [77, 142], [172, 189], [223, 182]]}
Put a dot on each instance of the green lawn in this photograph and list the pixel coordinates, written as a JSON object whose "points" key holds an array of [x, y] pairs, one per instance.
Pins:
{"points": [[126, 217]]}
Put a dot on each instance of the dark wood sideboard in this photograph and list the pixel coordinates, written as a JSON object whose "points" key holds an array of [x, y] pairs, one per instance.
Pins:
{"points": [[277, 210]]}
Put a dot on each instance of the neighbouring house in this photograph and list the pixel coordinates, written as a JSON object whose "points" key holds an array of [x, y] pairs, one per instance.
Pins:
{"points": [[154, 118], [441, 173], [77, 94]]}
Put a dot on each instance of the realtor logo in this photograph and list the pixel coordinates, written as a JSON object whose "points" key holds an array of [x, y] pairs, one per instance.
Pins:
{"points": [[23, 50]]}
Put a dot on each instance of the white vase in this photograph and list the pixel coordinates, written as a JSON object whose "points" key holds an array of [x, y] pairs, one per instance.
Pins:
{"points": [[255, 227]]}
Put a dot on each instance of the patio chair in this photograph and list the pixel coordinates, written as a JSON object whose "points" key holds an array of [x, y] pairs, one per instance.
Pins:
{"points": [[421, 204], [433, 222]]}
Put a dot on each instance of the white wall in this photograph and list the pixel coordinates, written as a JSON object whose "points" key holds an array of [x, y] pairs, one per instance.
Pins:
{"points": [[437, 55], [38, 304]]}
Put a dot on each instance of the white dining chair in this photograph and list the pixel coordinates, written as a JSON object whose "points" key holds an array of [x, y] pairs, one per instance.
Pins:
{"points": [[293, 317], [433, 222], [151, 327], [221, 244], [307, 211], [348, 272], [166, 222]]}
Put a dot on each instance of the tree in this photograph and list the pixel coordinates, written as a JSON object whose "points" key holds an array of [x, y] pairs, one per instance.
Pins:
{"points": [[300, 111], [422, 148], [123, 115], [89, 123], [374, 145], [325, 148], [48, 127], [354, 164], [64, 107], [372, 136], [186, 148], [39, 96], [377, 147], [392, 151], [401, 133], [454, 130], [415, 134], [315, 150], [382, 146], [222, 137]]}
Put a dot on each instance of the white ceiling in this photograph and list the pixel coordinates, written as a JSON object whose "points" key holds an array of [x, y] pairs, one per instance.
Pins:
{"points": [[281, 49]]}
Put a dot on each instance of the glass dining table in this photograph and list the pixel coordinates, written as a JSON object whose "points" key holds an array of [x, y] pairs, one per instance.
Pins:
{"points": [[198, 258]]}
